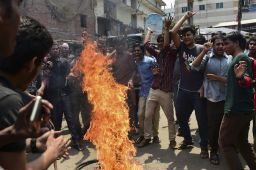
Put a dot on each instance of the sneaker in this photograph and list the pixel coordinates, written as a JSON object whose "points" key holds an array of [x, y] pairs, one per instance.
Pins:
{"points": [[139, 139], [186, 144], [144, 142], [172, 144], [156, 139]]}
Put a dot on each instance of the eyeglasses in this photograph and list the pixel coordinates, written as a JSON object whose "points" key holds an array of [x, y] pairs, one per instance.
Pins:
{"points": [[252, 44]]}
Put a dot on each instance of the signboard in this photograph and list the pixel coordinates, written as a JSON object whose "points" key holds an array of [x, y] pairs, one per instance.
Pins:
{"points": [[155, 22], [248, 5]]}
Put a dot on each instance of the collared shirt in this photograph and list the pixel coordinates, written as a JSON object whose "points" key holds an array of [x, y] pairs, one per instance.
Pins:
{"points": [[215, 91], [165, 60], [146, 75], [239, 99]]}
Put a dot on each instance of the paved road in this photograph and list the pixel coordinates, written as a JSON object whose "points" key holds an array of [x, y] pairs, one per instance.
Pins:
{"points": [[155, 156]]}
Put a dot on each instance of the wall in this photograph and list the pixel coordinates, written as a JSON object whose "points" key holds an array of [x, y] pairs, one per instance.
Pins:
{"points": [[62, 25]]}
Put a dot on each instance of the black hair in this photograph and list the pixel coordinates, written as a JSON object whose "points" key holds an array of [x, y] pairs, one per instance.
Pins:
{"points": [[186, 29], [159, 37], [32, 40], [223, 34], [7, 4], [200, 39], [216, 37], [252, 39], [140, 46], [236, 37]]}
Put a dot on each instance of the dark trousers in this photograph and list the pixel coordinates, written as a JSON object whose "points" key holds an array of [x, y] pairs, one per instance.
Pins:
{"points": [[133, 102], [215, 112], [62, 105], [185, 104], [234, 134], [81, 105]]}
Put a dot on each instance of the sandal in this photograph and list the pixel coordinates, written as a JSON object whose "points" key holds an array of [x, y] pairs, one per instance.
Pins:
{"points": [[214, 159], [204, 154]]}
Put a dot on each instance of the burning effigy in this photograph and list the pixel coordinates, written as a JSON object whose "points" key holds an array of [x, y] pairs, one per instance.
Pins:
{"points": [[109, 120]]}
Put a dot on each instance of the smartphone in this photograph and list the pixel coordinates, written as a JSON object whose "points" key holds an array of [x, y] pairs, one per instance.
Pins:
{"points": [[36, 111]]}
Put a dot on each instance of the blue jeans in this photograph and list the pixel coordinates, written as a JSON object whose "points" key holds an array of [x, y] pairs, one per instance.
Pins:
{"points": [[186, 103]]}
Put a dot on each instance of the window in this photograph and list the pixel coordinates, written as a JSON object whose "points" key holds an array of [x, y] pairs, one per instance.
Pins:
{"points": [[83, 20], [201, 7], [184, 9], [134, 20], [219, 5]]}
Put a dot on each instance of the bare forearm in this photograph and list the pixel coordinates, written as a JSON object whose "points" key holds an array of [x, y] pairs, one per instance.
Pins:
{"points": [[199, 59], [222, 79], [166, 37], [148, 36], [8, 135], [177, 26], [43, 162]]}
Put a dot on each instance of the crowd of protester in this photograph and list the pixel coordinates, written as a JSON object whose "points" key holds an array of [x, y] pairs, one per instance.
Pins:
{"points": [[215, 79], [180, 74]]}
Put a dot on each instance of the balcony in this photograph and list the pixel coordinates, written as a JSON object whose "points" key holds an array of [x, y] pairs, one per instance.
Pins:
{"points": [[152, 6], [161, 2]]}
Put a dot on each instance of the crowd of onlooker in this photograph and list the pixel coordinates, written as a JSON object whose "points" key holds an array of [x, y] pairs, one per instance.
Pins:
{"points": [[180, 74]]}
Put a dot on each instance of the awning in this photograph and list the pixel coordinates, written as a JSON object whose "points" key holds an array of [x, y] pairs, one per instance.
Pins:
{"points": [[209, 31], [234, 23]]}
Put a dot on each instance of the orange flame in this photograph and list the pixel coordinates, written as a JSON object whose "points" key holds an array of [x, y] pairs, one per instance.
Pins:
{"points": [[110, 122]]}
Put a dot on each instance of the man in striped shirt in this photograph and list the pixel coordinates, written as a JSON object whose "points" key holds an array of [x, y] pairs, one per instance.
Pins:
{"points": [[160, 92]]}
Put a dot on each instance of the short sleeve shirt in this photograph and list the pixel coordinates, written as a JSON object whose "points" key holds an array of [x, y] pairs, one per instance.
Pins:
{"points": [[10, 103], [190, 80]]}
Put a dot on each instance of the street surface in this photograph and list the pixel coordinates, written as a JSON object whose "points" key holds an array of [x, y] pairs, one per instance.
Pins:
{"points": [[154, 156]]}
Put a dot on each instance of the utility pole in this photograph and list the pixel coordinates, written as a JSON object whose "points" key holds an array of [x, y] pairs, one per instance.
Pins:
{"points": [[190, 4], [239, 15]]}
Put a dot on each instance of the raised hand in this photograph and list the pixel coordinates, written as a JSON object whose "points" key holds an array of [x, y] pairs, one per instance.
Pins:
{"points": [[168, 22], [240, 69], [207, 46], [190, 14]]}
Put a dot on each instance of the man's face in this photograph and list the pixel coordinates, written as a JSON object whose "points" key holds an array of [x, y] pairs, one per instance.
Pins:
{"points": [[55, 51], [160, 43], [229, 47], [252, 46], [188, 38], [65, 51], [218, 47], [138, 53], [8, 27]]}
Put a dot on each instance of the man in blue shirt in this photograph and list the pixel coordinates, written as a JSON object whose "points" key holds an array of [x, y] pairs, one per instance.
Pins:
{"points": [[144, 68], [215, 64]]}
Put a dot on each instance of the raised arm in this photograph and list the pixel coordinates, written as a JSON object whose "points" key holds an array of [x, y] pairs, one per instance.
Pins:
{"points": [[148, 35], [199, 58], [167, 25], [177, 26]]}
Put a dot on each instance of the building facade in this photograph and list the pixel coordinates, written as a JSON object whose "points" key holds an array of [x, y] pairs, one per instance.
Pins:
{"points": [[65, 19], [119, 17], [211, 13]]}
